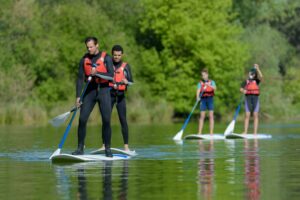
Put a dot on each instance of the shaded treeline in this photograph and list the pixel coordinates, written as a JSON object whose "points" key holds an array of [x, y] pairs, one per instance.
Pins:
{"points": [[166, 42]]}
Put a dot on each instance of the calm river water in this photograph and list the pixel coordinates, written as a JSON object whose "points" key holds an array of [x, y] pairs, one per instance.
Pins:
{"points": [[220, 169]]}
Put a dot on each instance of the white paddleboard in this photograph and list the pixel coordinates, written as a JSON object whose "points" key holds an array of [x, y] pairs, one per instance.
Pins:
{"points": [[86, 158], [204, 137], [114, 150], [247, 136]]}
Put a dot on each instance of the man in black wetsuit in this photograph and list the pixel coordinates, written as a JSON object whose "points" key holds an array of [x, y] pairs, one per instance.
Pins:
{"points": [[122, 77], [94, 62]]}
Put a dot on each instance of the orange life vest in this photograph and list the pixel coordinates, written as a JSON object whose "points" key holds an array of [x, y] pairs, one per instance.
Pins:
{"points": [[100, 67], [252, 87], [209, 91], [119, 75]]}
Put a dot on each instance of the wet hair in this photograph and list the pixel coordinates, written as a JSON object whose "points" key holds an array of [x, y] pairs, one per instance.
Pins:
{"points": [[205, 70], [117, 48], [91, 38]]}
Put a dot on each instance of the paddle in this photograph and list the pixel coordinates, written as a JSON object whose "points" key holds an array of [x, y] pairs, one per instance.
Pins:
{"points": [[60, 119], [109, 78], [230, 127], [57, 152], [178, 136]]}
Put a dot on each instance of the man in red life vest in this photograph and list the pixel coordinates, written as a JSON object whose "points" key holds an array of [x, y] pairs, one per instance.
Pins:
{"points": [[122, 76], [98, 91], [207, 88], [250, 88]]}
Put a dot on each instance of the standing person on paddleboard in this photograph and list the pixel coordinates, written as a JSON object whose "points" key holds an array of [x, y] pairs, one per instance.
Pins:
{"points": [[207, 88], [122, 77], [92, 64], [250, 88]]}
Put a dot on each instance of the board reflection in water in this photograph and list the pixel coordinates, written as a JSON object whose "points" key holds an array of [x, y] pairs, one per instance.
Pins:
{"points": [[93, 180]]}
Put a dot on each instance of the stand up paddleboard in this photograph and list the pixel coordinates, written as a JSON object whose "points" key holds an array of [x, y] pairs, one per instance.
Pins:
{"points": [[114, 150], [86, 158], [247, 136], [204, 137]]}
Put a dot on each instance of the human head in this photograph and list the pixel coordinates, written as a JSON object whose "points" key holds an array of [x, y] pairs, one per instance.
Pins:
{"points": [[92, 45], [252, 73], [204, 74], [117, 53]]}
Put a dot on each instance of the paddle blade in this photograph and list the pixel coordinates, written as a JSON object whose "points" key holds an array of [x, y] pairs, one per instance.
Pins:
{"points": [[229, 128], [179, 142], [60, 119], [178, 136], [57, 152]]}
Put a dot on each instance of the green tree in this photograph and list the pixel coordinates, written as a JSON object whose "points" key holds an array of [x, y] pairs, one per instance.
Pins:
{"points": [[182, 37]]}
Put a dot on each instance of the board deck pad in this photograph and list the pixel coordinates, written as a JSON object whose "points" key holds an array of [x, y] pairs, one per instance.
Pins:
{"points": [[248, 136], [87, 158], [204, 137], [114, 150]]}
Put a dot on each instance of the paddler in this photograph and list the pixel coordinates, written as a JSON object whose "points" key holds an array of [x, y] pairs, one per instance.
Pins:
{"points": [[98, 91], [122, 77], [250, 88], [206, 88]]}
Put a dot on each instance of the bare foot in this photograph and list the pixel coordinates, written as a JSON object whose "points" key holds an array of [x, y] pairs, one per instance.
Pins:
{"points": [[126, 148], [244, 133], [102, 148]]}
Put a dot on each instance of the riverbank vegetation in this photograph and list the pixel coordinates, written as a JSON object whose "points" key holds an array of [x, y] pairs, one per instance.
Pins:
{"points": [[167, 43]]}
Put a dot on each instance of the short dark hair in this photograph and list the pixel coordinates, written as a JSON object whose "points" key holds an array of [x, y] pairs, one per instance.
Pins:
{"points": [[91, 38], [204, 70], [117, 48]]}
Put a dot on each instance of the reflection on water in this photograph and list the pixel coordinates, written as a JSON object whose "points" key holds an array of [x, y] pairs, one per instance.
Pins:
{"points": [[252, 169], [206, 169], [230, 169], [85, 173]]}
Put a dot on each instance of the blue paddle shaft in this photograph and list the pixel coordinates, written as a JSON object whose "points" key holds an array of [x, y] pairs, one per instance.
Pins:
{"points": [[63, 139], [67, 130], [238, 109], [189, 117]]}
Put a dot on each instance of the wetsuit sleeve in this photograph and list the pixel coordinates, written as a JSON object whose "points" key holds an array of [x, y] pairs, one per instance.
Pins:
{"points": [[80, 79], [257, 81], [243, 85], [109, 67], [129, 74]]}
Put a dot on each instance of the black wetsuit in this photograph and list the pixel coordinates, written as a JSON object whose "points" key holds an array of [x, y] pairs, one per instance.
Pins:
{"points": [[95, 93], [118, 97]]}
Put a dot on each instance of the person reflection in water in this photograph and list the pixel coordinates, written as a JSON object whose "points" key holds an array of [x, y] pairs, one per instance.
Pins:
{"points": [[206, 169], [82, 191], [252, 170], [107, 182]]}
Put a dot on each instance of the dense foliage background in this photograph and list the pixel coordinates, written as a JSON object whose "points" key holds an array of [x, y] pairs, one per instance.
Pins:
{"points": [[167, 43]]}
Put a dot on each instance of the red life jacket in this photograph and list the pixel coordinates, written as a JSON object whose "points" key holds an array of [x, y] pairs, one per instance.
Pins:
{"points": [[119, 75], [99, 68], [209, 91], [252, 87]]}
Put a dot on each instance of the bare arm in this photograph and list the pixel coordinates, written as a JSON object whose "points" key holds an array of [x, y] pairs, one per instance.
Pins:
{"points": [[260, 75]]}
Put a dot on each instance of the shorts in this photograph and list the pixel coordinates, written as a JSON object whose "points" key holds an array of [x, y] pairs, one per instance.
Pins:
{"points": [[251, 103], [207, 103]]}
